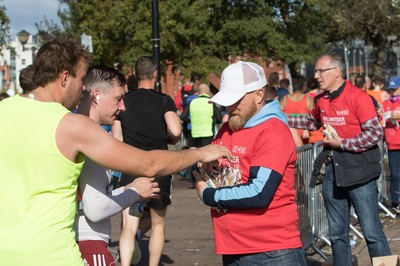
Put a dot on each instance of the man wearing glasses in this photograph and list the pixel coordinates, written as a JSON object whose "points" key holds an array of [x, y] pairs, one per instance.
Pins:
{"points": [[351, 158]]}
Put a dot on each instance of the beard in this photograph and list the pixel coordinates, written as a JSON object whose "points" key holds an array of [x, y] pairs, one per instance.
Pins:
{"points": [[237, 120]]}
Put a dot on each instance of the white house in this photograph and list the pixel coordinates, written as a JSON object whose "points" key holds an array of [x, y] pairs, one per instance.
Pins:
{"points": [[15, 56]]}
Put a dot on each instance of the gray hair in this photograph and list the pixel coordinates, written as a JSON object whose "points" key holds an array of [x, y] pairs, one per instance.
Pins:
{"points": [[337, 61]]}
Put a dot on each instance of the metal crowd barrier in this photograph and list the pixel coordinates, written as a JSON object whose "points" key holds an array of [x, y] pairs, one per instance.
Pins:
{"points": [[382, 181], [302, 179], [313, 224]]}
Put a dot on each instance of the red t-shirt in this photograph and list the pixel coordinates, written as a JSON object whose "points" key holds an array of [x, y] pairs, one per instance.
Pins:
{"points": [[347, 112], [243, 231], [392, 131]]}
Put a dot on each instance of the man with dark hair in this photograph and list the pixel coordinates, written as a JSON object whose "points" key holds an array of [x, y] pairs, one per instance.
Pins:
{"points": [[361, 83], [188, 93], [283, 89], [102, 101], [149, 122], [25, 79], [274, 80], [377, 90], [36, 228], [350, 162]]}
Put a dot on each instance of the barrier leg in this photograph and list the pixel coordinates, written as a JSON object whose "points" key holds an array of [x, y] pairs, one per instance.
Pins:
{"points": [[386, 210], [358, 233], [319, 251], [326, 240]]}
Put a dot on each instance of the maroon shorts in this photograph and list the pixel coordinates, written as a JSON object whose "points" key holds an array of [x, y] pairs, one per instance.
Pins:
{"points": [[95, 252]]}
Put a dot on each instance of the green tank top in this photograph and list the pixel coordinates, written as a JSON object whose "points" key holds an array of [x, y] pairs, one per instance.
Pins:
{"points": [[38, 198], [201, 117]]}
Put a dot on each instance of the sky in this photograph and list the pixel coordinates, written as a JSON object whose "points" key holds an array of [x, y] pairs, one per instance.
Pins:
{"points": [[23, 14]]}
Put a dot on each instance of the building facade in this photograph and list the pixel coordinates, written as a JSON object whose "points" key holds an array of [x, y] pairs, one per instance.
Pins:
{"points": [[13, 58]]}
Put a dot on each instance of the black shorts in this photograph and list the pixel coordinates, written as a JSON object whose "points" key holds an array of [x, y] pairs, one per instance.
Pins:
{"points": [[164, 183]]}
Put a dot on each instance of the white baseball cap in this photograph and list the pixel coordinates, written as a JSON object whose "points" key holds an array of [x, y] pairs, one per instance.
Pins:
{"points": [[237, 80]]}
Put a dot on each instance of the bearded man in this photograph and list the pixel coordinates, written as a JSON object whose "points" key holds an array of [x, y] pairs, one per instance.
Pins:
{"points": [[252, 196]]}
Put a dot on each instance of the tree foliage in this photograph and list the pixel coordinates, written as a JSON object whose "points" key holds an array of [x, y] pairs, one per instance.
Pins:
{"points": [[369, 20], [199, 35], [4, 26], [302, 23]]}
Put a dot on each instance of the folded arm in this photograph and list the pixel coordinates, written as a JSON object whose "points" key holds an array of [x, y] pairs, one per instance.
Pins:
{"points": [[258, 192]]}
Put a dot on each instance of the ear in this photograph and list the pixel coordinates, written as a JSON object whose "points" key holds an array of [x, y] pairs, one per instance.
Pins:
{"points": [[338, 72], [260, 94], [64, 78], [96, 95]]}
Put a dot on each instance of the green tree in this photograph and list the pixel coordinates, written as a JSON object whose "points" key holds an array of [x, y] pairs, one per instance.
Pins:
{"points": [[110, 23], [199, 35], [369, 20], [4, 27], [303, 24]]}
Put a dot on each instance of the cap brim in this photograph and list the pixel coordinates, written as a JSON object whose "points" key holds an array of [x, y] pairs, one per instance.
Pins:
{"points": [[224, 98]]}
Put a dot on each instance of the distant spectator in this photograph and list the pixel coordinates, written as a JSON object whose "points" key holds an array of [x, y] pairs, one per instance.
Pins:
{"points": [[313, 87], [377, 90], [188, 129], [352, 77], [392, 135], [285, 84], [314, 91], [368, 83], [186, 91], [25, 79], [284, 88], [361, 83], [298, 103], [203, 118], [273, 80]]}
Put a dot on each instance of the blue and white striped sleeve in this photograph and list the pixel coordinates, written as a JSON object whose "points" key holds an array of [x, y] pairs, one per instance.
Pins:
{"points": [[258, 192]]}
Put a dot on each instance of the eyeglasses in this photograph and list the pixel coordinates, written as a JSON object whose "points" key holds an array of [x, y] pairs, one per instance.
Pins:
{"points": [[322, 70]]}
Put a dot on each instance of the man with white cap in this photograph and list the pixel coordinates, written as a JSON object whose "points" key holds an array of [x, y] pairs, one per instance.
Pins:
{"points": [[252, 196]]}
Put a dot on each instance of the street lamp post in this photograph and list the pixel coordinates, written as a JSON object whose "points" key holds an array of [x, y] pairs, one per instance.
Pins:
{"points": [[23, 37], [156, 42], [360, 55], [366, 56], [346, 59]]}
